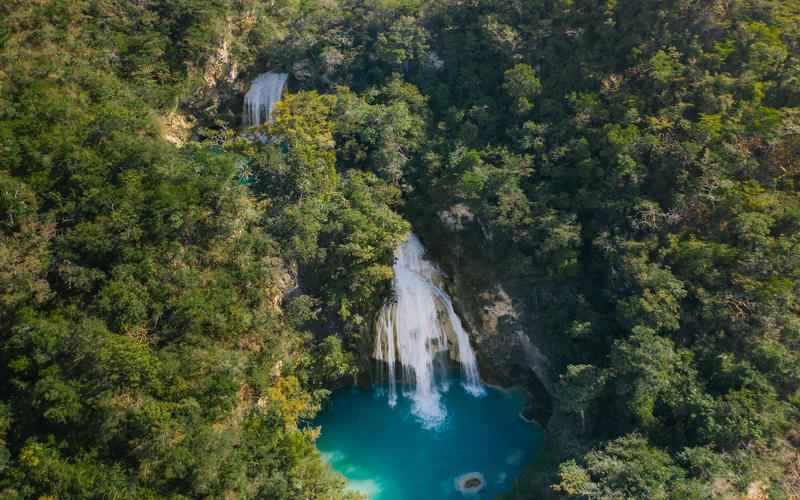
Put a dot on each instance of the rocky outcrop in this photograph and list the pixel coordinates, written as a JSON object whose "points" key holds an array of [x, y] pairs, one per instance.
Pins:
{"points": [[218, 86], [221, 67], [286, 281], [457, 217], [217, 92], [503, 343], [177, 128], [222, 84], [502, 330], [506, 354]]}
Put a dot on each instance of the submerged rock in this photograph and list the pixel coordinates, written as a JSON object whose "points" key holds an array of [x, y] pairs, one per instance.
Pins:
{"points": [[470, 483]]}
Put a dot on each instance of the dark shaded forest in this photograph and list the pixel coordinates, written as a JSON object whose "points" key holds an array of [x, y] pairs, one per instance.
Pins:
{"points": [[178, 297]]}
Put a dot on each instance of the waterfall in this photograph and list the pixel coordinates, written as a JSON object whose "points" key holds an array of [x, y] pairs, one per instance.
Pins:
{"points": [[413, 331], [265, 91], [387, 353], [466, 356]]}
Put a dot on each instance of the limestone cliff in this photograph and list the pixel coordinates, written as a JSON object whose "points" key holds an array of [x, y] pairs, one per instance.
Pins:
{"points": [[502, 328]]}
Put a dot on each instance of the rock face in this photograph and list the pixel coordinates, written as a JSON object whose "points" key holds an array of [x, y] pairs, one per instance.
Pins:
{"points": [[506, 354], [287, 284], [217, 95], [456, 217], [503, 344], [502, 330], [221, 67]]}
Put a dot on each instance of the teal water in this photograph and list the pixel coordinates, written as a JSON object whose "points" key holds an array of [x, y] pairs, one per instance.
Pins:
{"points": [[388, 454]]}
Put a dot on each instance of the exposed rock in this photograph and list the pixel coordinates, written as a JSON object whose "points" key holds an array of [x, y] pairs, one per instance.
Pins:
{"points": [[435, 61], [791, 484], [756, 491], [219, 71], [537, 361], [498, 307], [221, 67], [332, 59], [539, 407], [497, 316], [456, 217], [503, 338], [277, 369], [177, 128], [218, 97], [302, 70], [286, 281]]}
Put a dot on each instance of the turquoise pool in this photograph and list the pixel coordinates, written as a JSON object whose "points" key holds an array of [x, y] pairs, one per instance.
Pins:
{"points": [[389, 454]]}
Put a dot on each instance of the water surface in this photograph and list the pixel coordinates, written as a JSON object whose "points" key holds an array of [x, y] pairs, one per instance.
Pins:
{"points": [[390, 454]]}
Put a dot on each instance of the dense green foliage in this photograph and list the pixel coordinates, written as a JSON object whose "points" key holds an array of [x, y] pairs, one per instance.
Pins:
{"points": [[631, 167], [145, 352]]}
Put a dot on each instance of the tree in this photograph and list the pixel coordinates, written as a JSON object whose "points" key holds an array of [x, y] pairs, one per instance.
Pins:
{"points": [[627, 467], [523, 86], [578, 388]]}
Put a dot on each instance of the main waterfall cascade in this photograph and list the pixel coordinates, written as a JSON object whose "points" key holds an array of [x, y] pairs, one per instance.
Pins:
{"points": [[265, 92], [413, 332]]}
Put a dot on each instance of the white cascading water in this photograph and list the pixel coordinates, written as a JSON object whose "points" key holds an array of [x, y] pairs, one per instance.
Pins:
{"points": [[265, 92], [413, 329]]}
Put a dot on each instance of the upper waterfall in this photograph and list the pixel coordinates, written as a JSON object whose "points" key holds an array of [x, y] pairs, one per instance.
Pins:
{"points": [[413, 329], [265, 91]]}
